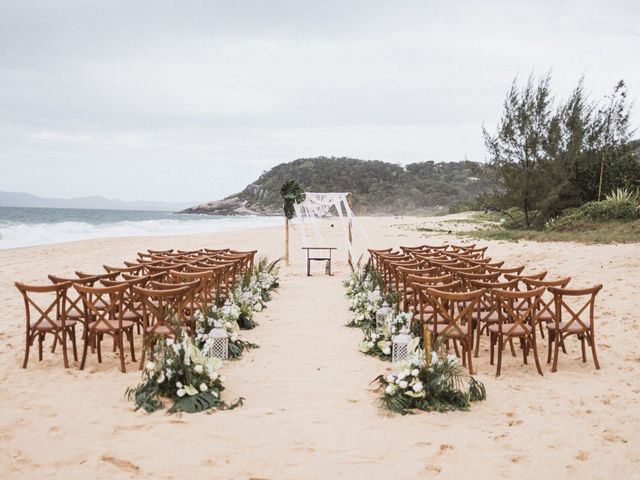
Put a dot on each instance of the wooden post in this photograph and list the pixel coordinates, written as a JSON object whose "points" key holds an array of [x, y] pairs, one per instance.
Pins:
{"points": [[286, 240], [350, 260]]}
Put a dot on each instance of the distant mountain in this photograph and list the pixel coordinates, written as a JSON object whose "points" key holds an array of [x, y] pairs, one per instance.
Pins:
{"points": [[378, 187], [19, 199]]}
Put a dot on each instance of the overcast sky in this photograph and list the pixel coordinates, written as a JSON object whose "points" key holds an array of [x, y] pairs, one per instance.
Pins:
{"points": [[192, 100]]}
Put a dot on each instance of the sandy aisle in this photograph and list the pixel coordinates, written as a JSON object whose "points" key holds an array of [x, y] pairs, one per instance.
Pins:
{"points": [[309, 412]]}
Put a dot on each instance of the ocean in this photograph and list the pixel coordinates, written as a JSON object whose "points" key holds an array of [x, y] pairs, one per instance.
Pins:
{"points": [[23, 227]]}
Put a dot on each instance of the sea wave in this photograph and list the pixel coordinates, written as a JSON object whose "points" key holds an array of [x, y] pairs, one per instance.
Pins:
{"points": [[17, 234]]}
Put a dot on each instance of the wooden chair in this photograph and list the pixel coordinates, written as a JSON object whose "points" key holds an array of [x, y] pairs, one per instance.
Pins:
{"points": [[516, 321], [453, 319], [98, 276], [505, 270], [134, 270], [132, 304], [545, 313], [423, 308], [104, 311], [571, 302], [163, 314], [45, 308], [488, 311]]}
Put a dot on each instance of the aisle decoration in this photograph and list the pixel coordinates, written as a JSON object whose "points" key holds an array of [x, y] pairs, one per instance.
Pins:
{"points": [[442, 385], [181, 374]]}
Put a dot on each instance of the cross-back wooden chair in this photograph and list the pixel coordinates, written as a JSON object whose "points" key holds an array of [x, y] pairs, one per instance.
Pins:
{"points": [[74, 308], [579, 306], [203, 290], [422, 306], [132, 310], [546, 309], [517, 320], [468, 277], [163, 314], [453, 319], [404, 273], [104, 309], [529, 276], [488, 312], [505, 270], [457, 270], [133, 270], [462, 248], [45, 307], [98, 276]]}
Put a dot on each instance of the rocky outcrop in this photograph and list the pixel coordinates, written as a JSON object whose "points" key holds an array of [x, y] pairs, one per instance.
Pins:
{"points": [[230, 206]]}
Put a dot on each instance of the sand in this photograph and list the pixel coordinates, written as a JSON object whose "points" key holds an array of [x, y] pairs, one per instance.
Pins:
{"points": [[309, 410]]}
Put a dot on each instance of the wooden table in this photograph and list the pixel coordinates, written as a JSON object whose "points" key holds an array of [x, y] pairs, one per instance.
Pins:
{"points": [[321, 258]]}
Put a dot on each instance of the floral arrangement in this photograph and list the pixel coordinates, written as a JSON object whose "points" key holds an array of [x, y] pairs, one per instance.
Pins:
{"points": [[442, 385], [377, 340], [252, 291], [182, 374], [227, 317]]}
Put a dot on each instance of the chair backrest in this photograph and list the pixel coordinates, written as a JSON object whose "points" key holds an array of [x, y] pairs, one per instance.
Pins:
{"points": [[546, 306], [468, 277], [573, 303], [505, 270], [74, 308], [44, 304], [164, 309], [133, 270], [206, 285], [129, 298], [98, 276], [103, 305], [454, 310], [518, 309]]}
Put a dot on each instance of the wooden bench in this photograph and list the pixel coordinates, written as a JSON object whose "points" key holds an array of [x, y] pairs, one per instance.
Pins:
{"points": [[326, 258]]}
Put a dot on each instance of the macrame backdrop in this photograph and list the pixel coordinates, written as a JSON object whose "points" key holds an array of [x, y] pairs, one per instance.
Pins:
{"points": [[318, 205]]}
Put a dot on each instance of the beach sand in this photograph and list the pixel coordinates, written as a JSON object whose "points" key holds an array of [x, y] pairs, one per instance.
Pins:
{"points": [[309, 410]]}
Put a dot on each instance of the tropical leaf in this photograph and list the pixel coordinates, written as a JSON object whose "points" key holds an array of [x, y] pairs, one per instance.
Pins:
{"points": [[197, 403]]}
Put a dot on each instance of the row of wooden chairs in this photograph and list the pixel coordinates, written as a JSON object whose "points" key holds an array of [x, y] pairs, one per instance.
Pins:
{"points": [[456, 292], [155, 295]]}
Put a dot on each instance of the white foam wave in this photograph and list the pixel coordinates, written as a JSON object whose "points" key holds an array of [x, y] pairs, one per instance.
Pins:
{"points": [[14, 235]]}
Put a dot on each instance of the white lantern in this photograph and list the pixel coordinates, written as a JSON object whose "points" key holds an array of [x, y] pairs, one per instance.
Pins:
{"points": [[381, 314], [220, 345], [400, 347]]}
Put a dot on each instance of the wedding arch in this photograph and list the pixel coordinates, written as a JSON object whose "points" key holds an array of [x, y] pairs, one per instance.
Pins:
{"points": [[319, 205]]}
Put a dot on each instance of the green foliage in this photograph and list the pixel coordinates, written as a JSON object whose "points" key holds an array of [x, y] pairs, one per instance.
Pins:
{"points": [[378, 187], [291, 193], [545, 159]]}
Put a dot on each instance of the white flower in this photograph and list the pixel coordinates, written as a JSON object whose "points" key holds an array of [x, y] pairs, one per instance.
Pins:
{"points": [[418, 387], [180, 392], [386, 351], [434, 358], [415, 372], [391, 378], [203, 387], [391, 389], [403, 384], [452, 359], [178, 384], [213, 376], [169, 373], [150, 366], [198, 368], [234, 336], [161, 377]]}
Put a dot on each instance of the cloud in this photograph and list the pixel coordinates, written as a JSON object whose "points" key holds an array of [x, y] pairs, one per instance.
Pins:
{"points": [[199, 97]]}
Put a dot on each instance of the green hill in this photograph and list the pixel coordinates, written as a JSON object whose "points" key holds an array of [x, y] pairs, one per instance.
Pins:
{"points": [[378, 187]]}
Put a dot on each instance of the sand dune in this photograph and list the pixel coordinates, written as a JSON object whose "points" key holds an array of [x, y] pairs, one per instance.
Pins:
{"points": [[309, 410]]}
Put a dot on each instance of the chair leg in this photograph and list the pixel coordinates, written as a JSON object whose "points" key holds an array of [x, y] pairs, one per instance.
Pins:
{"points": [[98, 338], [26, 351], [55, 343], [523, 347], [478, 335], [535, 352], [556, 351], [513, 351], [492, 343], [549, 345], [119, 337], [468, 350], [73, 343], [64, 347], [584, 352], [500, 345], [144, 351], [133, 351], [40, 339], [593, 351], [85, 348]]}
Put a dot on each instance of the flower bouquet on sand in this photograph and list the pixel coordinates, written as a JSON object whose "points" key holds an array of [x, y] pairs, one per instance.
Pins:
{"points": [[182, 374], [227, 317], [377, 340], [442, 385]]}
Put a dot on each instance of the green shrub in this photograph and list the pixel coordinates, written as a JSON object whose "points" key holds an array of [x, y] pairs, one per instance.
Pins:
{"points": [[621, 209]]}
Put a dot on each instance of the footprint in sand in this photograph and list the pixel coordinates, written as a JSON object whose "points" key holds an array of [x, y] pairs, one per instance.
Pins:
{"points": [[121, 463]]}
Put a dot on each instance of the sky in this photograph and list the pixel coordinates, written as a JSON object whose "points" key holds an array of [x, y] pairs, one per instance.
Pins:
{"points": [[193, 100]]}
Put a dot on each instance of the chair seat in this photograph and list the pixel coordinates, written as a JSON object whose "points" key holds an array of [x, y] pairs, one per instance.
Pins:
{"points": [[101, 326], [575, 327], [46, 326], [519, 331], [131, 315], [493, 317], [440, 327]]}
